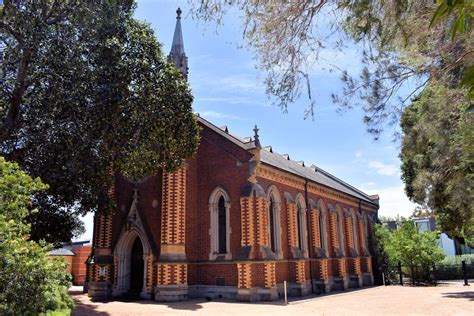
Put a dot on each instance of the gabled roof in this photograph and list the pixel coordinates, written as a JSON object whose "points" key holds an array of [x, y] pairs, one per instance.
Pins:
{"points": [[297, 168], [245, 143], [313, 173]]}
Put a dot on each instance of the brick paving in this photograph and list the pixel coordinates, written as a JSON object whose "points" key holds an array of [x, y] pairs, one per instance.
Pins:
{"points": [[445, 299]]}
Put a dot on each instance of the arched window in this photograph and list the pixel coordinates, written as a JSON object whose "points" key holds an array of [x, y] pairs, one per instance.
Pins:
{"points": [[271, 219], [322, 227], [219, 206], [340, 234], [301, 224], [366, 232], [354, 231], [300, 228], [274, 229], [222, 226]]}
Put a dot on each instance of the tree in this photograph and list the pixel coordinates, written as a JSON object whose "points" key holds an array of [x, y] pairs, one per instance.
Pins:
{"points": [[404, 48], [438, 158], [86, 94], [410, 247], [30, 282]]}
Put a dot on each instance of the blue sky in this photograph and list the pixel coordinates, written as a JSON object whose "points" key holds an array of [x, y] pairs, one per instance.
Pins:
{"points": [[228, 90]]}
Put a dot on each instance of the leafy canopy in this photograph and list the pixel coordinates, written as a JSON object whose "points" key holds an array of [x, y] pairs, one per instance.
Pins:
{"points": [[438, 158], [30, 282], [86, 94], [410, 247], [405, 45]]}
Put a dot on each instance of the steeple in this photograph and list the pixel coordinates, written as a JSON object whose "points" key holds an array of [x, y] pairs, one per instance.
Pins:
{"points": [[177, 55]]}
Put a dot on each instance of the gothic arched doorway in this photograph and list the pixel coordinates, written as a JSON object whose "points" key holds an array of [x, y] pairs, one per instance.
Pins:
{"points": [[136, 267]]}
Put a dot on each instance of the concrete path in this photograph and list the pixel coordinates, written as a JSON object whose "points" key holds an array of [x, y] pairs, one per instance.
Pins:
{"points": [[445, 299]]}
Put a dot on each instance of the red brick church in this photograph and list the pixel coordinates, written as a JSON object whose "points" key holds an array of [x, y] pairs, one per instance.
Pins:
{"points": [[236, 221]]}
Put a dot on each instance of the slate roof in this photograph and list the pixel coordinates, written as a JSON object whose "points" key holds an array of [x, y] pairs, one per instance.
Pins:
{"points": [[312, 173], [245, 143], [297, 168]]}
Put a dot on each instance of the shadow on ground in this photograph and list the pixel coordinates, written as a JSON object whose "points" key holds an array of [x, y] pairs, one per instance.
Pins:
{"points": [[82, 309], [465, 294], [90, 307]]}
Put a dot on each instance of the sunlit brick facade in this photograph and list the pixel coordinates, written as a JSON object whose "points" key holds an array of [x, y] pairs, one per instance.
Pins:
{"points": [[277, 224], [235, 221]]}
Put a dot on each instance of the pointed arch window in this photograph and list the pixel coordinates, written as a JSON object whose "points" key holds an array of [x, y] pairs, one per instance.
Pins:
{"points": [[274, 224], [271, 218], [301, 225], [354, 232], [340, 234], [366, 232], [219, 231], [222, 226], [322, 228]]}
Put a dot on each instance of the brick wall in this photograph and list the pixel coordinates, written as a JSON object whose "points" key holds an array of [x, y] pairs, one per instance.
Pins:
{"points": [[219, 162], [78, 267]]}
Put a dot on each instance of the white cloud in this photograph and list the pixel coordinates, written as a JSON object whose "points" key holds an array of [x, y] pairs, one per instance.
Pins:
{"points": [[393, 201], [242, 83], [383, 169], [219, 115], [358, 154]]}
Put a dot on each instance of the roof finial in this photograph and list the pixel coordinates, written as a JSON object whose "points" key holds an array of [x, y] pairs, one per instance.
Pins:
{"points": [[256, 137], [178, 13]]}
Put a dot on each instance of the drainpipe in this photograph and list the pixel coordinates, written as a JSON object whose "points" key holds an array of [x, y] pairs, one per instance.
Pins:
{"points": [[308, 227]]}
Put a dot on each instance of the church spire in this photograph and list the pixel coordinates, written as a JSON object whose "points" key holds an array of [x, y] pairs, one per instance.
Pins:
{"points": [[177, 55]]}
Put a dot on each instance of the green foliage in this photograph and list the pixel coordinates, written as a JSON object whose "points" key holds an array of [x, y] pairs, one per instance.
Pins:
{"points": [[438, 158], [86, 94], [16, 188], [380, 255], [401, 52], [30, 282], [457, 260], [462, 10], [410, 247]]}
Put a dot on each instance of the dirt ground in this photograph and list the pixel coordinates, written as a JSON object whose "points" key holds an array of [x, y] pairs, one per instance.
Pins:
{"points": [[450, 298]]}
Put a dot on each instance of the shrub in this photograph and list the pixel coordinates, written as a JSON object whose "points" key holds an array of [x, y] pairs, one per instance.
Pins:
{"points": [[30, 282]]}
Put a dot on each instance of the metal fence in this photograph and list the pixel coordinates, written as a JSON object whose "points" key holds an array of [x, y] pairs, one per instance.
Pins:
{"points": [[419, 275]]}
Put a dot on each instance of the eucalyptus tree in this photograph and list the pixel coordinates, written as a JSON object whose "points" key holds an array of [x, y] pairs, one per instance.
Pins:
{"points": [[404, 45]]}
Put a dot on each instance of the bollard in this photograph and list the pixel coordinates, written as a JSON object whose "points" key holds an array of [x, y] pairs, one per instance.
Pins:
{"points": [[286, 296], [464, 273], [400, 272], [383, 278]]}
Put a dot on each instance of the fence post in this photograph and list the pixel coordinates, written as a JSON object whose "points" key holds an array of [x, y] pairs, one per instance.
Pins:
{"points": [[464, 273], [400, 272]]}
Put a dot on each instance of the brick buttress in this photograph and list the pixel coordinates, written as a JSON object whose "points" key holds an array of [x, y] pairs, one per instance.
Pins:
{"points": [[101, 266], [172, 282]]}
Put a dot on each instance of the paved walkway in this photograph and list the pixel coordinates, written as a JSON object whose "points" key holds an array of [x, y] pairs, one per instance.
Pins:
{"points": [[445, 299]]}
